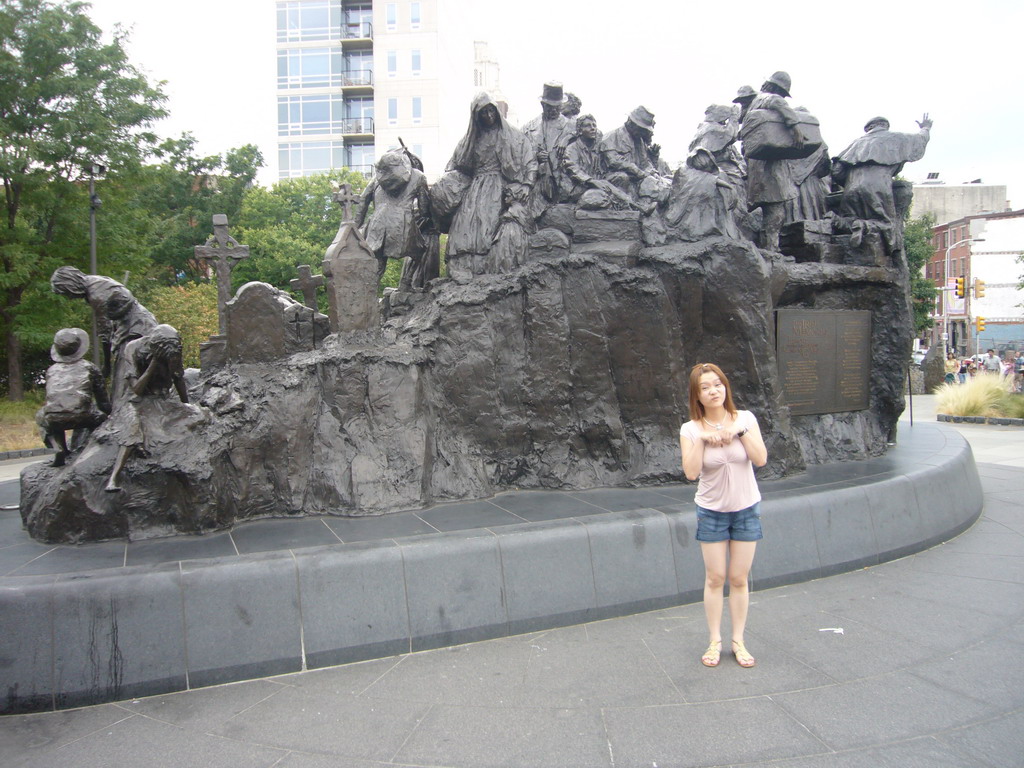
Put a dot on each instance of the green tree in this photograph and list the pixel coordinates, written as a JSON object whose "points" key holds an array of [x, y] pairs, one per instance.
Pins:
{"points": [[68, 100], [918, 244], [291, 223], [179, 195], [191, 309]]}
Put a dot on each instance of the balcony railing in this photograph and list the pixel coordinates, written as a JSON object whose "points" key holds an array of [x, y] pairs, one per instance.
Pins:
{"points": [[360, 125], [355, 77], [358, 30], [366, 170]]}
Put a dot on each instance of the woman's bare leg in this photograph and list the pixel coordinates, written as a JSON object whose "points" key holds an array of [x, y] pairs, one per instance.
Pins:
{"points": [[741, 557], [715, 553]]}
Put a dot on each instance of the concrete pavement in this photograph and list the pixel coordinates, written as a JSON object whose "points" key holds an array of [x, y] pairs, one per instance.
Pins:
{"points": [[915, 662]]}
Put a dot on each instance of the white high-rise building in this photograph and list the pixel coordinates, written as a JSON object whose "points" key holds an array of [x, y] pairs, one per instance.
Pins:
{"points": [[355, 76]]}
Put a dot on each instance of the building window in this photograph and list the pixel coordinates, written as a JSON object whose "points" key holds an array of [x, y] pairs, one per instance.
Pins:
{"points": [[392, 111], [414, 15], [417, 109], [309, 157], [358, 115], [309, 68], [392, 63], [416, 62], [308, 20], [391, 16], [417, 149], [358, 68], [359, 20], [360, 158], [309, 115]]}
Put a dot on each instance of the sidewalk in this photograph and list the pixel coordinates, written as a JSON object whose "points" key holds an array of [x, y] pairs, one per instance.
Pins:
{"points": [[911, 663]]}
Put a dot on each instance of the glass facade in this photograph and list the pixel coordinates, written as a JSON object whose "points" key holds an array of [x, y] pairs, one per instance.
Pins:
{"points": [[309, 68], [303, 21], [339, 62], [310, 115], [325, 84], [309, 157]]}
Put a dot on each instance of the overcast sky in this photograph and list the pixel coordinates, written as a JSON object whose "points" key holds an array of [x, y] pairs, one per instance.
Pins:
{"points": [[849, 61]]}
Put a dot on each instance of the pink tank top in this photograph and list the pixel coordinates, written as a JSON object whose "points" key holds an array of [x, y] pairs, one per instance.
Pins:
{"points": [[726, 482]]}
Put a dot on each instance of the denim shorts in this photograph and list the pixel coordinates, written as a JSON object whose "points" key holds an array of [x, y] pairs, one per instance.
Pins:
{"points": [[744, 525]]}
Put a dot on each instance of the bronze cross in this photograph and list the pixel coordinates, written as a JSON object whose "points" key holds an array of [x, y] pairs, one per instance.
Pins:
{"points": [[225, 253], [307, 283], [346, 199]]}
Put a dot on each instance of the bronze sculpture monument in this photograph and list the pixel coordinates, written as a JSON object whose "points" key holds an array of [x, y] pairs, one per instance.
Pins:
{"points": [[553, 356]]}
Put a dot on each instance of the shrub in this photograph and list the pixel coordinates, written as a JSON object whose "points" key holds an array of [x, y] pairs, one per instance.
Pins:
{"points": [[1012, 406], [980, 396]]}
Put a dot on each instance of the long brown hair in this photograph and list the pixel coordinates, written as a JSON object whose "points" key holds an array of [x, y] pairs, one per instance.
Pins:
{"points": [[696, 409]]}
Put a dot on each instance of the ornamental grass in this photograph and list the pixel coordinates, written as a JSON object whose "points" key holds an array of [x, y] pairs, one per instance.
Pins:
{"points": [[984, 395]]}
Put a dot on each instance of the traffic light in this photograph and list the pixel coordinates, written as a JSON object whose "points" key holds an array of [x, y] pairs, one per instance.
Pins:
{"points": [[979, 288], [979, 324], [961, 289]]}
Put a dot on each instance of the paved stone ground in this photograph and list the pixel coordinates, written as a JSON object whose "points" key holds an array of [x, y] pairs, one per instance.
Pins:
{"points": [[916, 662]]}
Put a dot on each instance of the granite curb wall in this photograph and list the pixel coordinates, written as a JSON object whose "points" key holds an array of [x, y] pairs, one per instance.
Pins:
{"points": [[114, 634], [999, 421]]}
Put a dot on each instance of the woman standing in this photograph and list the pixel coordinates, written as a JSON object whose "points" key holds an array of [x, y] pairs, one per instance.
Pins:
{"points": [[721, 446], [952, 368]]}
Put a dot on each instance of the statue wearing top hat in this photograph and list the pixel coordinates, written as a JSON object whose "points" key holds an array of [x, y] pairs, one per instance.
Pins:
{"points": [[73, 384], [549, 133]]}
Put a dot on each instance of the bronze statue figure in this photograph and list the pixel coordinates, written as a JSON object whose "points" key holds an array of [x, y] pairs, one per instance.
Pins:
{"points": [[865, 171], [770, 183], [549, 133], [399, 226], [153, 367], [490, 174], [701, 202], [626, 151], [72, 385]]}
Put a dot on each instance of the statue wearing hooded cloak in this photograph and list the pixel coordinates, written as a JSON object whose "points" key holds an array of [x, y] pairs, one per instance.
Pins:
{"points": [[500, 164]]}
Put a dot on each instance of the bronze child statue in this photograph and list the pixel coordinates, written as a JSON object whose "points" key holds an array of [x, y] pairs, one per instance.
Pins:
{"points": [[72, 384]]}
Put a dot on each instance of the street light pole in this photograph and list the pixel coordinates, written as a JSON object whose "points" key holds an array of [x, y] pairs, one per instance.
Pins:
{"points": [[95, 169]]}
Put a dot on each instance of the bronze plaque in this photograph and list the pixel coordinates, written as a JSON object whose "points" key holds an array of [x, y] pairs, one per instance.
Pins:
{"points": [[824, 359]]}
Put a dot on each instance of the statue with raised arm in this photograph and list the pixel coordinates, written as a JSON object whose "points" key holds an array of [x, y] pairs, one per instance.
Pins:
{"points": [[865, 170]]}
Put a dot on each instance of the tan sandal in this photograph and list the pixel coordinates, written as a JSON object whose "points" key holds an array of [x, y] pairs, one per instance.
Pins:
{"points": [[713, 654], [743, 657]]}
